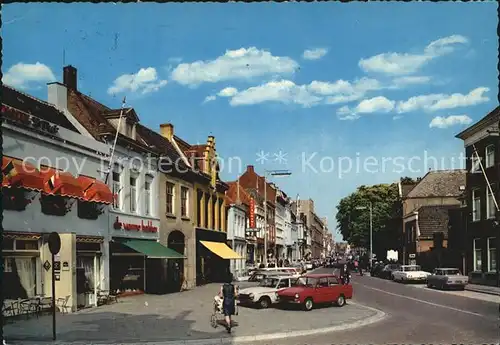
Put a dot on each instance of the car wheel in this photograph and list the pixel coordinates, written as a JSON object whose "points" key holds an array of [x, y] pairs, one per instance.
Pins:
{"points": [[429, 285], [264, 302], [340, 301], [308, 304]]}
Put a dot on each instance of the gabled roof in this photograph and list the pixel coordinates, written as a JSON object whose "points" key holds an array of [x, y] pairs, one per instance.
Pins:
{"points": [[439, 183], [406, 188], [232, 194], [34, 106], [128, 113], [434, 218]]}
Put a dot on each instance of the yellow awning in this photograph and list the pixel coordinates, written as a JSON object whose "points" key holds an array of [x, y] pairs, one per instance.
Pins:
{"points": [[221, 249]]}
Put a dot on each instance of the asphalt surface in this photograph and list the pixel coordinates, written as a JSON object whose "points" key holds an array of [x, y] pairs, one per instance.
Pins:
{"points": [[414, 315]]}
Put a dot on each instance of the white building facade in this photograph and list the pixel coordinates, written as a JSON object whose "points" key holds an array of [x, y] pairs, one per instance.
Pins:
{"points": [[236, 229], [53, 181]]}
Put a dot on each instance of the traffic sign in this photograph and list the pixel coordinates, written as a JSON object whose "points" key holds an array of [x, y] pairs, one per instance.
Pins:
{"points": [[47, 265], [54, 243]]}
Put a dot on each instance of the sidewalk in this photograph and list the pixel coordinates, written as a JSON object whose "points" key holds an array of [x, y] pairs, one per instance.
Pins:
{"points": [[491, 290], [178, 317]]}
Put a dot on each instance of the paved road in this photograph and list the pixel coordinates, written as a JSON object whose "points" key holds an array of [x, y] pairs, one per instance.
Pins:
{"points": [[415, 315]]}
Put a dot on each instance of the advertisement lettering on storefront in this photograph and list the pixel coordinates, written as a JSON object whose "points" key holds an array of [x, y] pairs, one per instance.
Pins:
{"points": [[29, 120], [252, 214], [143, 226]]}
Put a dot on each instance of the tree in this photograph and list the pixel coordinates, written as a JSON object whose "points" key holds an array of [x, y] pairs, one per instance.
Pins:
{"points": [[354, 224]]}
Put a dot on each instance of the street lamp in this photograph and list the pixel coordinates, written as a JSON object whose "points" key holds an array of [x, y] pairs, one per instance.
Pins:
{"points": [[370, 208], [270, 173]]}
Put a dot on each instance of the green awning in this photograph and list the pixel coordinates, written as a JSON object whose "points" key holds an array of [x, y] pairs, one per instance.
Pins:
{"points": [[152, 249]]}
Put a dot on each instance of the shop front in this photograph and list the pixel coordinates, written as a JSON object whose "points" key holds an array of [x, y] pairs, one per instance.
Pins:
{"points": [[137, 258], [213, 256]]}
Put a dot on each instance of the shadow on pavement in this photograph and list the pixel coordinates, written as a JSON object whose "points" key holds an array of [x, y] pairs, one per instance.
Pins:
{"points": [[111, 327]]}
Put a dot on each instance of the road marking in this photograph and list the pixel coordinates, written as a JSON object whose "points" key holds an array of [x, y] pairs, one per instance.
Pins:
{"points": [[422, 301]]}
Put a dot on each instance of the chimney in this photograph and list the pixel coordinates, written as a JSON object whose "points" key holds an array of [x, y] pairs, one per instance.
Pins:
{"points": [[250, 168], [70, 77], [211, 141], [167, 131]]}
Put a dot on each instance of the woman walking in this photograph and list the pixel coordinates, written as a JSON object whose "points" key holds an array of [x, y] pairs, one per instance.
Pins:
{"points": [[228, 292]]}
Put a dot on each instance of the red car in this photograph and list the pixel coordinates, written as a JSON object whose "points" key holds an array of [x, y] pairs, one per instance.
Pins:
{"points": [[313, 289]]}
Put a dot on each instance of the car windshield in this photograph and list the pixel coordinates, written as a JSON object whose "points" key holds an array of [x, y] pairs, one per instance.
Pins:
{"points": [[412, 268], [451, 272], [269, 282], [306, 281]]}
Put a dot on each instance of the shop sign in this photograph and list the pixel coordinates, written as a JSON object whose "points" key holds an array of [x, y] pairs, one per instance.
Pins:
{"points": [[252, 213], [29, 120], [144, 227]]}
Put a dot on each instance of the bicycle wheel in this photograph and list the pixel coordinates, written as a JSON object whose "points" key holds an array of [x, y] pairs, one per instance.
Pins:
{"points": [[213, 320]]}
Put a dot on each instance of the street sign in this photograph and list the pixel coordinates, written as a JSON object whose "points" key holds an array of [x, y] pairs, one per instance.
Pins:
{"points": [[47, 265], [252, 230], [54, 243], [412, 256]]}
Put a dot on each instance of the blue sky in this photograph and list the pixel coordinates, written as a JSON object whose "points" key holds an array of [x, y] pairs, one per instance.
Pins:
{"points": [[317, 81]]}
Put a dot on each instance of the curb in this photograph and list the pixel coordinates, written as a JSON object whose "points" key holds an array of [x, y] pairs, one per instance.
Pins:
{"points": [[486, 292], [379, 316]]}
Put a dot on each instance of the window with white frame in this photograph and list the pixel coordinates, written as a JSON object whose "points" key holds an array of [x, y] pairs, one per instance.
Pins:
{"points": [[490, 203], [147, 197], [475, 163], [476, 253], [133, 194], [184, 201], [490, 156], [476, 205], [116, 189], [492, 254], [169, 190]]}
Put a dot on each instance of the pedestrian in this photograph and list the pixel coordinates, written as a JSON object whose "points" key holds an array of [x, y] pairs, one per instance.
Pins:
{"points": [[228, 292]]}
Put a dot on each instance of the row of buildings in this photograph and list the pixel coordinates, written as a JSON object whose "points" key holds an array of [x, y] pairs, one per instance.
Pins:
{"points": [[451, 218], [136, 209]]}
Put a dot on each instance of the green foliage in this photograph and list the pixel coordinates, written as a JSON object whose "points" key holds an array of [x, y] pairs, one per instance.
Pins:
{"points": [[354, 223]]}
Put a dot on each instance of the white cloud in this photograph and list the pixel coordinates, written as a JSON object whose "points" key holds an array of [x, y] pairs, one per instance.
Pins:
{"points": [[377, 104], [405, 63], [228, 92], [409, 80], [144, 81], [314, 54], [452, 120], [242, 63], [434, 102], [209, 99], [314, 93], [23, 75], [284, 91]]}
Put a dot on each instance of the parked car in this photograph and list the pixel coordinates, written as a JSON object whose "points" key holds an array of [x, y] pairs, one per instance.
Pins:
{"points": [[410, 273], [443, 278], [265, 294], [387, 270], [258, 275], [376, 269], [312, 289]]}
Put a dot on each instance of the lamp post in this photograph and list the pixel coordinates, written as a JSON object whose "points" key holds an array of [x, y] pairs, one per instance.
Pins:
{"points": [[370, 208], [269, 173]]}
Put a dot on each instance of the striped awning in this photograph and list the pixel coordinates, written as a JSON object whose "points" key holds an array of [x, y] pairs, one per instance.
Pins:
{"points": [[61, 183], [89, 239], [23, 236]]}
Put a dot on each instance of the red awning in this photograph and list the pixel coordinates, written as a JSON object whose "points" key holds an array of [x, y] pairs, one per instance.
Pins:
{"points": [[95, 190], [61, 183], [17, 173]]}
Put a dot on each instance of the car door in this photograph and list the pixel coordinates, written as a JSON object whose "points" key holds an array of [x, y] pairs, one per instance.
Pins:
{"points": [[322, 290], [335, 288]]}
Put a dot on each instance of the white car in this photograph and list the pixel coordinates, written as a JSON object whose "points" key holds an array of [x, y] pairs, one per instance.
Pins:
{"points": [[410, 273], [264, 295]]}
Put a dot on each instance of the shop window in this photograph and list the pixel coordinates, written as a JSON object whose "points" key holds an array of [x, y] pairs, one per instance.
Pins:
{"points": [[19, 278], [54, 205], [170, 194], [14, 199], [476, 205], [88, 210], [84, 274], [476, 253], [147, 198], [184, 201], [490, 156], [88, 247], [492, 254], [133, 194]]}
